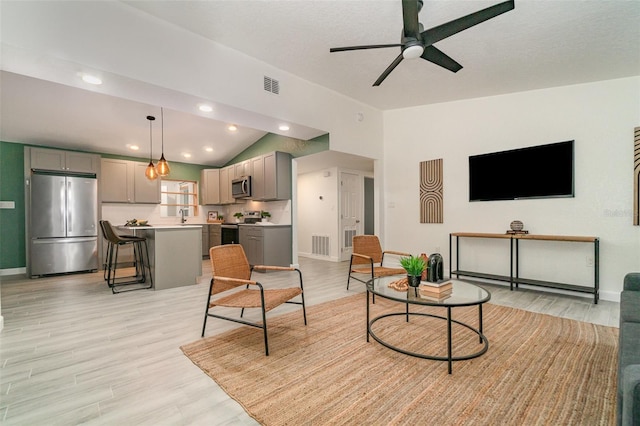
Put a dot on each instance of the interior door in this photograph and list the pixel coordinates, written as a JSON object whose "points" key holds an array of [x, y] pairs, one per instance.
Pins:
{"points": [[350, 211]]}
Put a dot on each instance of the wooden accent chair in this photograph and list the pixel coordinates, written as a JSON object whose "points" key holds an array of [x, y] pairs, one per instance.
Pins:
{"points": [[232, 276], [367, 251]]}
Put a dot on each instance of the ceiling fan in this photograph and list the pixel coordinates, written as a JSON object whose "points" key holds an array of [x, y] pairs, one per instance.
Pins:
{"points": [[416, 42]]}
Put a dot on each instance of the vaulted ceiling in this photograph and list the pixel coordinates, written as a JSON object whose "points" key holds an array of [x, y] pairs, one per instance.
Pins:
{"points": [[537, 45]]}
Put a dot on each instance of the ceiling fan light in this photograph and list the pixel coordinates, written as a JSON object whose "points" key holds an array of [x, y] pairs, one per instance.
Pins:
{"points": [[413, 52]]}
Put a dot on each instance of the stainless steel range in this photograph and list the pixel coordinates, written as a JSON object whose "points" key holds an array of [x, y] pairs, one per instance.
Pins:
{"points": [[252, 216]]}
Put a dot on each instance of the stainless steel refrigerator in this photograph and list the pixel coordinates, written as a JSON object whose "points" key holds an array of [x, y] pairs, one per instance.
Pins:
{"points": [[63, 224]]}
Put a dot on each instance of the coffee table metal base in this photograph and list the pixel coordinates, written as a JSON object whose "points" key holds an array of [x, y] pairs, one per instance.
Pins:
{"points": [[449, 358]]}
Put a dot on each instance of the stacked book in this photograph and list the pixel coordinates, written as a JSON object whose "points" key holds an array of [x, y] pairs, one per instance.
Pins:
{"points": [[436, 291]]}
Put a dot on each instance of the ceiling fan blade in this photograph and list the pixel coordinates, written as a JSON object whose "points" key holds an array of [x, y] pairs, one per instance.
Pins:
{"points": [[410, 18], [388, 70], [435, 34], [370, 46], [436, 56]]}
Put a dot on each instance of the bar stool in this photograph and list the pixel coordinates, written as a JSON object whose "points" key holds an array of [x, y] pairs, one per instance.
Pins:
{"points": [[114, 241]]}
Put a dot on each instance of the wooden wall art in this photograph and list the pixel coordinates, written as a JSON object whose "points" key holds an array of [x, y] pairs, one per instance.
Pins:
{"points": [[636, 176], [431, 200]]}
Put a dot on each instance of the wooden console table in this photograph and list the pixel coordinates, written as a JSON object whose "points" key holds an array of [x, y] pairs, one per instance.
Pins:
{"points": [[514, 277]]}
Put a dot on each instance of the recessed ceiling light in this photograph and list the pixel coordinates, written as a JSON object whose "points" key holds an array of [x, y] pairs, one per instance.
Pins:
{"points": [[205, 108], [133, 147], [91, 79], [232, 127], [208, 149], [186, 155], [283, 127]]}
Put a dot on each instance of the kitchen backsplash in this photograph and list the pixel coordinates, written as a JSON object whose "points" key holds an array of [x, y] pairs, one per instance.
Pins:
{"points": [[119, 214]]}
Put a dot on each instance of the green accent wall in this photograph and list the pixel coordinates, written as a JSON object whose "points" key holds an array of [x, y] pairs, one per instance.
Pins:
{"points": [[177, 171], [12, 222], [295, 147]]}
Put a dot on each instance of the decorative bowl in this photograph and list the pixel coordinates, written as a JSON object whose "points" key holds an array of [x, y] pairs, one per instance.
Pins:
{"points": [[517, 225]]}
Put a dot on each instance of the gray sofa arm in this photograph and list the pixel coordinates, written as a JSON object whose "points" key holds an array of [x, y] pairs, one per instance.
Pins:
{"points": [[632, 281], [631, 395]]}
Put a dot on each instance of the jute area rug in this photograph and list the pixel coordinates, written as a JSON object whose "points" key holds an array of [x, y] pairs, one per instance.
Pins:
{"points": [[539, 369]]}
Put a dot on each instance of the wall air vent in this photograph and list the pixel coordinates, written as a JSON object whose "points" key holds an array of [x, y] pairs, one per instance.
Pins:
{"points": [[271, 85], [320, 245]]}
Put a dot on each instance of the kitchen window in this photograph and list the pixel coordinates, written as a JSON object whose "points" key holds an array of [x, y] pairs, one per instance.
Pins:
{"points": [[177, 195]]}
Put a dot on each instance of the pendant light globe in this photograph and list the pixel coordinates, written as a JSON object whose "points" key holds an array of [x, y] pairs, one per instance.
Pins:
{"points": [[150, 171], [163, 165]]}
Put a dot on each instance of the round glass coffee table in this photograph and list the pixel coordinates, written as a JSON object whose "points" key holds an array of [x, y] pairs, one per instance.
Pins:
{"points": [[462, 294]]}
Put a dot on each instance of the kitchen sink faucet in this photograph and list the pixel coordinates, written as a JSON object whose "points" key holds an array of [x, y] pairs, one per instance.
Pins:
{"points": [[182, 213]]}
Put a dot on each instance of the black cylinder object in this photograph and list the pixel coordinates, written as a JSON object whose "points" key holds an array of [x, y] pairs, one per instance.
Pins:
{"points": [[436, 268]]}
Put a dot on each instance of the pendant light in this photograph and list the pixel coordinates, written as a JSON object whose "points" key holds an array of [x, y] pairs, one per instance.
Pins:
{"points": [[151, 172], [163, 165]]}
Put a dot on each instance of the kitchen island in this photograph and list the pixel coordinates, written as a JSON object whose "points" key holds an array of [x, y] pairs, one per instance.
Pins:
{"points": [[175, 253]]}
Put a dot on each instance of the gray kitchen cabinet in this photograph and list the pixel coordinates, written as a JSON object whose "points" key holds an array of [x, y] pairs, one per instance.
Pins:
{"points": [[257, 178], [266, 245], [124, 181], [215, 235], [242, 168], [227, 174], [67, 161], [205, 240], [272, 176], [210, 186]]}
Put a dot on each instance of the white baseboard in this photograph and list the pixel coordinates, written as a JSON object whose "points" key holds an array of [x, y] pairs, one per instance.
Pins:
{"points": [[315, 256], [13, 271]]}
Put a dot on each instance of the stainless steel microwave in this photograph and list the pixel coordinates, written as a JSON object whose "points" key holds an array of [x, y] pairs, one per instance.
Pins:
{"points": [[241, 187]]}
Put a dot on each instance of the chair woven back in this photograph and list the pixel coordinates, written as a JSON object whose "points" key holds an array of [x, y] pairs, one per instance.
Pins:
{"points": [[229, 261], [369, 245]]}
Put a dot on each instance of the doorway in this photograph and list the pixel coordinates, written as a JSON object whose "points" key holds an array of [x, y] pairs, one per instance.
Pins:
{"points": [[369, 207], [350, 211]]}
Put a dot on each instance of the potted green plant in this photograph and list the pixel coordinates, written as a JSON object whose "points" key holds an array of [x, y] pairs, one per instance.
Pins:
{"points": [[238, 215], [265, 216], [414, 267]]}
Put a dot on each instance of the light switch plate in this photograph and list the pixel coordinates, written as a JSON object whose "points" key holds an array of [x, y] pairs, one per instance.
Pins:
{"points": [[7, 204]]}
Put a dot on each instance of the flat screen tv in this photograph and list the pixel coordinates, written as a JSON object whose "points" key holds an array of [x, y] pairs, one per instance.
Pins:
{"points": [[534, 172]]}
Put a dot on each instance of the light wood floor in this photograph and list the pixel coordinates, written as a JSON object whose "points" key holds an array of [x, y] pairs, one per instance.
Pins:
{"points": [[73, 353]]}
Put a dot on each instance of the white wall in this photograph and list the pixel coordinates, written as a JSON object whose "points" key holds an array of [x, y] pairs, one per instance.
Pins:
{"points": [[600, 117], [318, 216]]}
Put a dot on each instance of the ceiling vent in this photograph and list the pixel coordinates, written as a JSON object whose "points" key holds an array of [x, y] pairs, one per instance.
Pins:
{"points": [[271, 85]]}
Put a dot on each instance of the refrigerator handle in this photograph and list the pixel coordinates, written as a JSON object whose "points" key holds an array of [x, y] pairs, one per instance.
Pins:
{"points": [[63, 206], [68, 201]]}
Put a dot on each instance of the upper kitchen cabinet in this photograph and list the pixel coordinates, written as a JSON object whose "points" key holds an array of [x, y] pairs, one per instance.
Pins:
{"points": [[124, 181], [227, 174], [271, 179], [210, 186], [66, 161], [242, 169]]}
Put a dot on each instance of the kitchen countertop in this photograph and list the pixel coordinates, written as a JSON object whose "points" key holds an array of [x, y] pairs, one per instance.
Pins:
{"points": [[178, 226], [261, 224]]}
